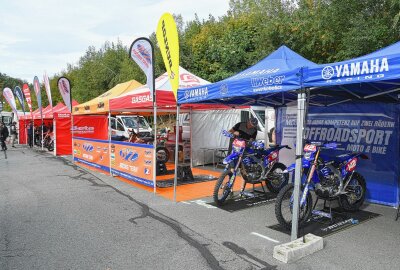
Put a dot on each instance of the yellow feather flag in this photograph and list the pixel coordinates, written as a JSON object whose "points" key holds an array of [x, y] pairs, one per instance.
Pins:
{"points": [[167, 37]]}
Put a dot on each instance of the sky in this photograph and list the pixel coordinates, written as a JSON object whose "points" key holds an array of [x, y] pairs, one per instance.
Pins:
{"points": [[45, 35]]}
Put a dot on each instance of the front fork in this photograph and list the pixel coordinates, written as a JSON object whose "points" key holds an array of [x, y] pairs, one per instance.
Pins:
{"points": [[234, 172], [309, 177]]}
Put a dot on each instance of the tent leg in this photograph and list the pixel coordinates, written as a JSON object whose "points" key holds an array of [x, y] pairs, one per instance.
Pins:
{"points": [[176, 151], [155, 149], [301, 98], [109, 139]]}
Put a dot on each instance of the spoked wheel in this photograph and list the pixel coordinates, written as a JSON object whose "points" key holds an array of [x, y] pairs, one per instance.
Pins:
{"points": [[50, 146], [355, 193], [276, 179], [284, 207], [222, 188], [162, 154]]}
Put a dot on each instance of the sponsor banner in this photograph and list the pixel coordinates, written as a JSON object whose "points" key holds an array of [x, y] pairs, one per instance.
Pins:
{"points": [[372, 129], [359, 70], [64, 86], [20, 96], [47, 87], [92, 152], [9, 96], [141, 52], [90, 126], [167, 37], [36, 87], [27, 93], [133, 161]]}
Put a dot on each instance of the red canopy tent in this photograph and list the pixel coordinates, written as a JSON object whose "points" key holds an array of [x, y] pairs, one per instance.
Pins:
{"points": [[140, 100], [60, 118]]}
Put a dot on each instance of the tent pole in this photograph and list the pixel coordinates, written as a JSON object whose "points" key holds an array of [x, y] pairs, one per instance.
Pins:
{"points": [[109, 139], [266, 128], [155, 148], [176, 151], [298, 170], [54, 136], [191, 137]]}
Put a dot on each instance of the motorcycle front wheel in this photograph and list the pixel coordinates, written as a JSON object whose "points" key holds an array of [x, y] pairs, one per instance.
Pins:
{"points": [[275, 178], [284, 207], [222, 188]]}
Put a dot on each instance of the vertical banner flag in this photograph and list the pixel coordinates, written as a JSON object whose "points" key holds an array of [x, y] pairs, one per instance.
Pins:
{"points": [[9, 96], [27, 93], [47, 87], [167, 37], [65, 89], [36, 87], [141, 52], [20, 96]]}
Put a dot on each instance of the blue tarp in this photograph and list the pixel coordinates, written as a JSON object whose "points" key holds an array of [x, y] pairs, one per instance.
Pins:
{"points": [[278, 72], [365, 78]]}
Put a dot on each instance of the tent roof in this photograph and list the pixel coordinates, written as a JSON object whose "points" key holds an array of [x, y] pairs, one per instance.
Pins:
{"points": [[100, 104], [278, 72], [375, 76], [139, 99], [47, 112]]}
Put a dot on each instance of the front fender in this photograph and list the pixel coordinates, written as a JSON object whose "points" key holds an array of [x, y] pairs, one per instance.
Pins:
{"points": [[231, 157]]}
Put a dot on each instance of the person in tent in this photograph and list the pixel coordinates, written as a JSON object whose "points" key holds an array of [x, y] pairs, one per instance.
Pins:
{"points": [[30, 134], [3, 136], [244, 130], [14, 133]]}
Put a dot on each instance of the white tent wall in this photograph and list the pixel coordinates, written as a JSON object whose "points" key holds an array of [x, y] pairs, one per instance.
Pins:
{"points": [[207, 129]]}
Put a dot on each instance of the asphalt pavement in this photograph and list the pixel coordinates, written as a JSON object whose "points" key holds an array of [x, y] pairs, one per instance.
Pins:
{"points": [[56, 215]]}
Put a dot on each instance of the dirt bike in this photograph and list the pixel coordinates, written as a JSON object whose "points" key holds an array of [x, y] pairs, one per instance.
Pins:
{"points": [[329, 177], [254, 163], [48, 140], [161, 151]]}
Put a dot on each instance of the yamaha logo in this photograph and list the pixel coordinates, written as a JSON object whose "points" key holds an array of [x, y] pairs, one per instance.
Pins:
{"points": [[223, 89], [88, 147], [327, 72]]}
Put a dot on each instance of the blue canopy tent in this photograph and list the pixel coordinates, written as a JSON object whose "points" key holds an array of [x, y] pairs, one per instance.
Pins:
{"points": [[285, 76], [270, 82], [375, 76]]}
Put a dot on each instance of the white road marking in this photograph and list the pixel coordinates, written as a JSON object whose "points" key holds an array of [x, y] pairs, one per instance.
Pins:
{"points": [[185, 202], [265, 237], [203, 203]]}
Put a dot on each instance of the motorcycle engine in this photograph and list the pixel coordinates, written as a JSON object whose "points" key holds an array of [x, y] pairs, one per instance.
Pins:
{"points": [[329, 182], [252, 172]]}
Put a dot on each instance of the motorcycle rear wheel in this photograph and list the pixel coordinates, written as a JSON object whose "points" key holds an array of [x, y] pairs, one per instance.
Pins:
{"points": [[50, 146], [284, 208], [221, 189], [275, 179], [162, 154], [355, 197]]}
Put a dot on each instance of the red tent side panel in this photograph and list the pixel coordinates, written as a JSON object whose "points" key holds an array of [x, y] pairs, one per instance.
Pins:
{"points": [[91, 126], [22, 132], [63, 136]]}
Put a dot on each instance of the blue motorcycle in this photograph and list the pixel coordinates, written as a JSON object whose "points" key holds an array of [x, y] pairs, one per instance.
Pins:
{"points": [[331, 178], [255, 164]]}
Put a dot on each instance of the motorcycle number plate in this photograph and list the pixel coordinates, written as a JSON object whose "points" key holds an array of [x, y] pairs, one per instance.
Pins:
{"points": [[273, 156], [310, 148], [239, 143], [351, 165]]}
